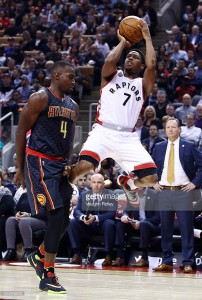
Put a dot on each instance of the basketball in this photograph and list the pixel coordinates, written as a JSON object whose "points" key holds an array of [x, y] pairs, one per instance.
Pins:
{"points": [[129, 29]]}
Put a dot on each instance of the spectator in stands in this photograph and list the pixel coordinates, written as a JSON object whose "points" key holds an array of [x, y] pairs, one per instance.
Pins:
{"points": [[160, 52], [152, 98], [190, 132], [160, 107], [40, 77], [98, 59], [198, 68], [195, 79], [103, 47], [25, 24], [53, 55], [107, 17], [141, 130], [182, 111], [182, 70], [111, 38], [175, 31], [177, 53], [109, 172], [25, 88], [150, 116], [12, 106], [64, 47], [88, 179], [184, 88], [199, 50], [10, 49], [140, 215], [2, 56], [57, 7], [94, 214], [39, 43], [91, 25], [150, 11], [198, 120], [6, 210], [170, 110], [26, 225], [71, 17], [79, 25], [175, 190], [161, 132], [31, 71], [41, 61], [75, 39], [191, 62], [80, 184], [48, 66], [195, 36], [85, 47], [187, 11], [153, 139], [12, 29], [173, 82], [6, 89], [185, 44]]}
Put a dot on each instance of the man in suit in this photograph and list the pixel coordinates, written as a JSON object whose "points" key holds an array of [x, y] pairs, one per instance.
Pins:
{"points": [[140, 214], [179, 167], [153, 139], [141, 130], [94, 214]]}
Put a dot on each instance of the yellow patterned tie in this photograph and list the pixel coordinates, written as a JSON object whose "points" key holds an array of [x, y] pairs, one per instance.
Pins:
{"points": [[170, 174]]}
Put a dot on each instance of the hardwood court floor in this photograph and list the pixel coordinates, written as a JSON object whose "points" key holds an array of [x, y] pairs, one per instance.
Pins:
{"points": [[94, 282]]}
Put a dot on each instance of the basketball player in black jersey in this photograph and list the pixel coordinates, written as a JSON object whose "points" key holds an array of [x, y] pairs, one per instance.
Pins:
{"points": [[51, 116]]}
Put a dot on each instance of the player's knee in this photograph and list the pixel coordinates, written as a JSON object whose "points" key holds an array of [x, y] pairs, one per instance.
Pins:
{"points": [[85, 166], [150, 179]]}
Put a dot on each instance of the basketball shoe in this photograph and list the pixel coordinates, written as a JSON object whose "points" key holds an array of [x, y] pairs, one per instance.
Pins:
{"points": [[51, 285], [34, 261], [127, 184]]}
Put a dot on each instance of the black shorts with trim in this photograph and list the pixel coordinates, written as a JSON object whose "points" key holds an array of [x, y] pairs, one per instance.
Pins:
{"points": [[46, 187]]}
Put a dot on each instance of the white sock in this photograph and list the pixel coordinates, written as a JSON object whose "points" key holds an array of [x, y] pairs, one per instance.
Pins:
{"points": [[197, 233], [131, 184]]}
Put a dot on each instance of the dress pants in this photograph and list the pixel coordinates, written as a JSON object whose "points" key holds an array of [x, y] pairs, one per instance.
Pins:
{"points": [[77, 229], [179, 202], [147, 230]]}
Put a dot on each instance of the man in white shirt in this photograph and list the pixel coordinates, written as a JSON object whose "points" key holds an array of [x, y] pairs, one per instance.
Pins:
{"points": [[190, 132], [179, 167]]}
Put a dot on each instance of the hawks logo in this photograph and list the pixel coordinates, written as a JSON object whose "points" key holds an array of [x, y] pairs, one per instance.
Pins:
{"points": [[42, 199]]}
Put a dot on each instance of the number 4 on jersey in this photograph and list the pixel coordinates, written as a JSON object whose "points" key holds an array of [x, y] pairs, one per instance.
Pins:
{"points": [[63, 128]]}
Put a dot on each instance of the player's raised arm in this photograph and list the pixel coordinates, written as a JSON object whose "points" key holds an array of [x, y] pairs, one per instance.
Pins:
{"points": [[113, 57], [150, 61]]}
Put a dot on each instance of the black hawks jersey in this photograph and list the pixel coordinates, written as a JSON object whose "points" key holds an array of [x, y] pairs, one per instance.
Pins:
{"points": [[52, 132]]}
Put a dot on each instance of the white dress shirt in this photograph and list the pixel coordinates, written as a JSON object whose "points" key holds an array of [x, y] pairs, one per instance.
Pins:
{"points": [[192, 133], [180, 176]]}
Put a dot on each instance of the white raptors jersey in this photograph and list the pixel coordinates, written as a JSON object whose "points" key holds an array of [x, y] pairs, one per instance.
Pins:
{"points": [[121, 101]]}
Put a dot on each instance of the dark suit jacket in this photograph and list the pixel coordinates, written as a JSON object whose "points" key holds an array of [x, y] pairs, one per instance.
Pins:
{"points": [[144, 133], [106, 209], [190, 158], [158, 139], [151, 208]]}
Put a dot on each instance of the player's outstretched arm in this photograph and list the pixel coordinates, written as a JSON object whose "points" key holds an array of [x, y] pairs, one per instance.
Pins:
{"points": [[113, 57], [150, 61]]}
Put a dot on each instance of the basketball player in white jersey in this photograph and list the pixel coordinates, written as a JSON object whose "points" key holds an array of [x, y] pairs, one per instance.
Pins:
{"points": [[122, 97]]}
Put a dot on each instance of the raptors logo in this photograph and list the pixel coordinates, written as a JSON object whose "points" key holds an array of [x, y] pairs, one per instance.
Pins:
{"points": [[42, 199]]}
